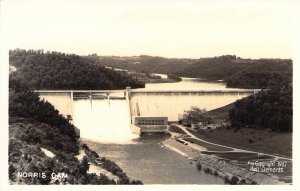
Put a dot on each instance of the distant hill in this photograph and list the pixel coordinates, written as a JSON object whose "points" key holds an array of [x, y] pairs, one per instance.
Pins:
{"points": [[144, 63], [54, 70], [235, 71], [241, 73]]}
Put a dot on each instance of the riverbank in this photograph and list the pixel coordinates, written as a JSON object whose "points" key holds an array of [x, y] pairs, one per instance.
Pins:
{"points": [[102, 165], [145, 77], [218, 166]]}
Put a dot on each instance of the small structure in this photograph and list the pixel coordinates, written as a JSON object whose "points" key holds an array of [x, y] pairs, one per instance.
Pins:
{"points": [[149, 124]]}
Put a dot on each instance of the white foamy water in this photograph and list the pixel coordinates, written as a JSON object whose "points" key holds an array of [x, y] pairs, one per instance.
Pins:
{"points": [[105, 121]]}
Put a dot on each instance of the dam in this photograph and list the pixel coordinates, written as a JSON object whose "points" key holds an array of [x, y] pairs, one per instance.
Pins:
{"points": [[155, 107], [106, 120], [111, 116], [63, 99]]}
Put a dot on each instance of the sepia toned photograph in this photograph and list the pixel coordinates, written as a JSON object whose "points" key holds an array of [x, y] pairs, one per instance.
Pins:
{"points": [[139, 92]]}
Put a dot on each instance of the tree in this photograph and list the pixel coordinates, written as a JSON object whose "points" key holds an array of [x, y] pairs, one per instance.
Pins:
{"points": [[11, 172], [196, 115], [69, 118], [84, 166], [54, 70]]}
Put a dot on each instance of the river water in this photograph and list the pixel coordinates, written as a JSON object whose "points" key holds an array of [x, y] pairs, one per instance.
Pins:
{"points": [[148, 161], [105, 126]]}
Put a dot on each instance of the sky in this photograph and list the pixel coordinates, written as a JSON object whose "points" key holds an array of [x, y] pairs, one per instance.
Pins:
{"points": [[168, 28]]}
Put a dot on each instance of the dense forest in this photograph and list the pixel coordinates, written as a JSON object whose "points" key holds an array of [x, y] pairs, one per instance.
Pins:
{"points": [[54, 70], [271, 108], [259, 79], [224, 67]]}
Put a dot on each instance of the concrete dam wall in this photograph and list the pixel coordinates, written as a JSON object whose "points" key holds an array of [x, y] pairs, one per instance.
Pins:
{"points": [[173, 103], [144, 103]]}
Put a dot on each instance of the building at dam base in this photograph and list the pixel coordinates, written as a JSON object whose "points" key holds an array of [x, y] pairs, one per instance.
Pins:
{"points": [[150, 124]]}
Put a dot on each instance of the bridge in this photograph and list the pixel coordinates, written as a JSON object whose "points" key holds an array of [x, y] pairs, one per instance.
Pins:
{"points": [[84, 94], [192, 92], [109, 94], [195, 91]]}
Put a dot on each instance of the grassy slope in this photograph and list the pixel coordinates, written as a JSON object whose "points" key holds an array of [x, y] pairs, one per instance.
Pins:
{"points": [[222, 112], [263, 141]]}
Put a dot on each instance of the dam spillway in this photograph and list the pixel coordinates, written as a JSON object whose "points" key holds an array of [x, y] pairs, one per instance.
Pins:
{"points": [[103, 120]]}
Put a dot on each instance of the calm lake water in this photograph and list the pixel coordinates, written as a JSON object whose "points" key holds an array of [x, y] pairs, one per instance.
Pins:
{"points": [[105, 126], [189, 84]]}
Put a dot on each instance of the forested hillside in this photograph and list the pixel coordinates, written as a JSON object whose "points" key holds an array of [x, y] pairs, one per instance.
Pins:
{"points": [[35, 124], [54, 70], [259, 79], [241, 73], [272, 108], [144, 63], [217, 68]]}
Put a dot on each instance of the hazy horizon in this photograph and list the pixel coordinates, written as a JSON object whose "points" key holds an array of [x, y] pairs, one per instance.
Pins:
{"points": [[172, 29], [102, 55]]}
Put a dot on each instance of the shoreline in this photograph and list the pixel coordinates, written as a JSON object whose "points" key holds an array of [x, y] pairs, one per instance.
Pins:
{"points": [[104, 166], [216, 166]]}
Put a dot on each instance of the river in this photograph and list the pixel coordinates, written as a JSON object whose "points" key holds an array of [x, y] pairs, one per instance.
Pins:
{"points": [[148, 161]]}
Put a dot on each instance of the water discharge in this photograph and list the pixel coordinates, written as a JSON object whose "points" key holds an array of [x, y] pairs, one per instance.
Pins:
{"points": [[104, 121]]}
